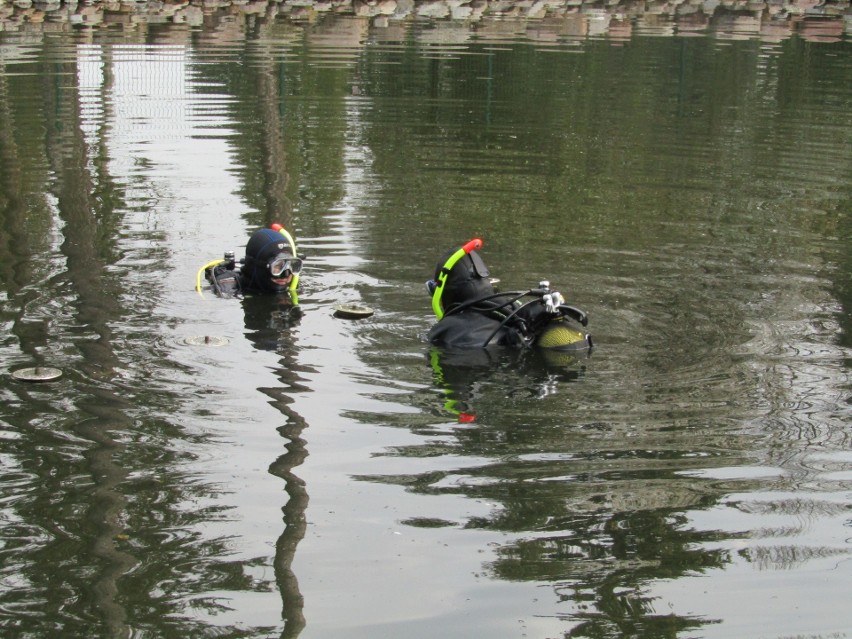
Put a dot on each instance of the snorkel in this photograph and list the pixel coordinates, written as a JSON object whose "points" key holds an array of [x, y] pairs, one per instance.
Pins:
{"points": [[472, 245], [294, 282]]}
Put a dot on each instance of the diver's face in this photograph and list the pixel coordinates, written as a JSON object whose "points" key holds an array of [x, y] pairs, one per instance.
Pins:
{"points": [[282, 267]]}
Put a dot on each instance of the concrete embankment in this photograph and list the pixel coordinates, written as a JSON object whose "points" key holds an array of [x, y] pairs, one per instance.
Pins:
{"points": [[826, 19]]}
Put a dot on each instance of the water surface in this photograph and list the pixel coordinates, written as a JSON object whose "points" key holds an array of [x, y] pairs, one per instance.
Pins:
{"points": [[328, 478]]}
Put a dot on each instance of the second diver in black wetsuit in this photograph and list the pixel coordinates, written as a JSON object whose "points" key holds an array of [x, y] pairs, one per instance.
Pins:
{"points": [[472, 314]]}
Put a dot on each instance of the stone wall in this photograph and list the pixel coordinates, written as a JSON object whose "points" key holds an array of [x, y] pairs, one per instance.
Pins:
{"points": [[835, 16]]}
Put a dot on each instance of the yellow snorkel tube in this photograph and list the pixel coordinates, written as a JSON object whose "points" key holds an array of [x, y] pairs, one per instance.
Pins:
{"points": [[472, 245], [294, 282]]}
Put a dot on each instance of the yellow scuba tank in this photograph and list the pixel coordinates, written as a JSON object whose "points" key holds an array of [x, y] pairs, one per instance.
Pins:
{"points": [[560, 335]]}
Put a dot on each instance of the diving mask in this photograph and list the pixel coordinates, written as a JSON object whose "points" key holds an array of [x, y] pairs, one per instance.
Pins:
{"points": [[284, 263]]}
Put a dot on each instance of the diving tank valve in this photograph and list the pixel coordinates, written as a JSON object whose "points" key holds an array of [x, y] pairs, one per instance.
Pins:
{"points": [[552, 301]]}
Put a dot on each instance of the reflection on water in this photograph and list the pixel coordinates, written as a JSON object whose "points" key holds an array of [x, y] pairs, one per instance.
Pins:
{"points": [[689, 477], [268, 322]]}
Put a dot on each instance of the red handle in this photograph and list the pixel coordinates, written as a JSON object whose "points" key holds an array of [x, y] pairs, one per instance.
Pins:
{"points": [[276, 227]]}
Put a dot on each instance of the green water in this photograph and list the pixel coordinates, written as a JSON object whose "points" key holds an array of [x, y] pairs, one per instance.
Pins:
{"points": [[333, 478]]}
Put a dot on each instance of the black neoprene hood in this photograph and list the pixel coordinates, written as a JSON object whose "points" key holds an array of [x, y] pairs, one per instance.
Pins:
{"points": [[262, 247], [468, 280]]}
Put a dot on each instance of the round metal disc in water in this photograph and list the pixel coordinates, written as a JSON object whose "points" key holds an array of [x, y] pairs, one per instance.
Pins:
{"points": [[205, 340], [352, 311], [37, 374]]}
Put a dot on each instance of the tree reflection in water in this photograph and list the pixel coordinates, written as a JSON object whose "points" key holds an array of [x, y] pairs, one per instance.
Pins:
{"points": [[102, 416], [268, 320], [595, 520]]}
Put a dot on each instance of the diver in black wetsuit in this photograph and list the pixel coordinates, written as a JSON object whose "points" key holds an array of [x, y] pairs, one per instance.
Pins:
{"points": [[271, 265], [472, 314]]}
